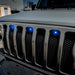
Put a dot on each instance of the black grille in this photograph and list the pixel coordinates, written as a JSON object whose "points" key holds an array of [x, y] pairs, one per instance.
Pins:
{"points": [[53, 44], [67, 55], [4, 39], [40, 46], [19, 42], [50, 62], [28, 45], [11, 42]]}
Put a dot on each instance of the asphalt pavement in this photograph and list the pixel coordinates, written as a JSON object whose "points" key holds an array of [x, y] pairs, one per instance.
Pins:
{"points": [[8, 67]]}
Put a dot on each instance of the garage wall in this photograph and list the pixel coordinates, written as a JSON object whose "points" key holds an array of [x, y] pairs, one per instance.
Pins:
{"points": [[14, 4]]}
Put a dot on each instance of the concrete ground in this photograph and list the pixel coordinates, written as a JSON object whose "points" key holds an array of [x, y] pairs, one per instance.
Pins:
{"points": [[8, 67], [12, 68]]}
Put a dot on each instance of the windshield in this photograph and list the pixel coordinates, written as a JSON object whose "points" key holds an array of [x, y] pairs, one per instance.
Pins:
{"points": [[56, 4]]}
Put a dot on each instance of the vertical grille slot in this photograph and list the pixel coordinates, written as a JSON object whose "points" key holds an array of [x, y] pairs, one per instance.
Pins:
{"points": [[11, 41], [53, 44], [19, 41], [28, 44], [40, 46], [4, 38], [67, 56]]}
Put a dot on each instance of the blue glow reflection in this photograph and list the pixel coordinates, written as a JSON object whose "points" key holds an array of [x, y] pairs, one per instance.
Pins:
{"points": [[12, 27], [55, 32], [29, 29]]}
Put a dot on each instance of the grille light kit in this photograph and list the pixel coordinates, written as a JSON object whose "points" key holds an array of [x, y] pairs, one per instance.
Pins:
{"points": [[29, 29], [11, 31], [28, 43], [42, 48], [53, 44], [55, 32], [12, 27]]}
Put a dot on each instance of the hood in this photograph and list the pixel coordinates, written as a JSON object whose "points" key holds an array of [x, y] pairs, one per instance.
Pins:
{"points": [[57, 17]]}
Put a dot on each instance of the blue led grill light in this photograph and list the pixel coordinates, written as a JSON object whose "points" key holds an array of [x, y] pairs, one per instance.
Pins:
{"points": [[29, 29], [55, 32], [12, 27]]}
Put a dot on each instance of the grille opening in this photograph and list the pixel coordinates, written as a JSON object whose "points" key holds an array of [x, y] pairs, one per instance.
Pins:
{"points": [[39, 52], [11, 41], [2, 50], [53, 43], [4, 39], [67, 57], [28, 45], [0, 37], [19, 41]]}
